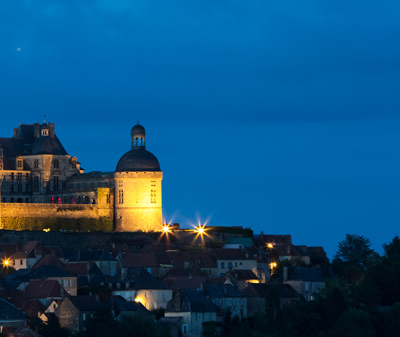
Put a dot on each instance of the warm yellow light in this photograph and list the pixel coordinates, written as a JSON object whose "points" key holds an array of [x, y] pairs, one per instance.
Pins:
{"points": [[46, 230], [254, 281], [6, 262], [166, 229], [272, 265], [139, 300], [270, 245]]}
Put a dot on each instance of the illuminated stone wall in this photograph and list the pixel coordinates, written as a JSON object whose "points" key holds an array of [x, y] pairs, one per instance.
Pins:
{"points": [[13, 210], [138, 201]]}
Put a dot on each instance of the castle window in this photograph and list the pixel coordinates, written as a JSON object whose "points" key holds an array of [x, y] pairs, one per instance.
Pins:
{"points": [[12, 200], [19, 176], [4, 199], [27, 176], [108, 198], [12, 176], [153, 196], [35, 184], [120, 183], [12, 188], [36, 163], [19, 163], [121, 197], [27, 200], [19, 188], [55, 163], [56, 183], [153, 192]]}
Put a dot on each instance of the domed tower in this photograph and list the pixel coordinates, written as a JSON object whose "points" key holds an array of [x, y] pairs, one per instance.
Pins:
{"points": [[138, 201]]}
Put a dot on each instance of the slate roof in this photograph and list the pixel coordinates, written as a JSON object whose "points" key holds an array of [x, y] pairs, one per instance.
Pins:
{"points": [[191, 301], [309, 274], [9, 311], [33, 308], [94, 255], [216, 290], [79, 268], [48, 260], [243, 275], [54, 271], [141, 279], [25, 332], [84, 303], [139, 260], [14, 296], [21, 275], [284, 290], [229, 254], [118, 304], [185, 282]]}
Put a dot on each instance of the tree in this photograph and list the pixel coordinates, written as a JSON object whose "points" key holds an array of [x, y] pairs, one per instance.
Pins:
{"points": [[355, 323], [353, 256]]}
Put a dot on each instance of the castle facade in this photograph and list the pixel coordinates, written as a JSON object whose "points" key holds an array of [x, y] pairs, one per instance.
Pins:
{"points": [[36, 173]]}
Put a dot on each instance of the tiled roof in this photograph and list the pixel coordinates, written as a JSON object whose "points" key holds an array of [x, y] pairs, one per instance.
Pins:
{"points": [[242, 275], [185, 282], [33, 308], [79, 268], [44, 289], [229, 254], [14, 296]]}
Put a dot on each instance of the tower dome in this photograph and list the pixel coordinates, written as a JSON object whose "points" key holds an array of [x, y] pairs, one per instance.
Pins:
{"points": [[138, 158]]}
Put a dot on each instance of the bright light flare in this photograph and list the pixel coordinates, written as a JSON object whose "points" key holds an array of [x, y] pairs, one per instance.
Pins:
{"points": [[6, 262], [200, 229], [270, 245], [166, 229], [272, 265]]}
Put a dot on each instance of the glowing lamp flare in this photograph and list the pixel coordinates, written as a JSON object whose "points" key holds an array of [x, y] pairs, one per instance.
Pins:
{"points": [[200, 229], [166, 229], [270, 245], [6, 262]]}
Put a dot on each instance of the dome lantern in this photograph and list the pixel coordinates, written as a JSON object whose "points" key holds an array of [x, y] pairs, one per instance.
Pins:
{"points": [[138, 135]]}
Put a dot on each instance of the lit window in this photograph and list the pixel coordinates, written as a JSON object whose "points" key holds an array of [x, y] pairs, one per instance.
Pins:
{"points": [[121, 197]]}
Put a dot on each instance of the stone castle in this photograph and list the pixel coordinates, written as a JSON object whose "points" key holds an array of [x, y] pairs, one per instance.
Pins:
{"points": [[39, 179]]}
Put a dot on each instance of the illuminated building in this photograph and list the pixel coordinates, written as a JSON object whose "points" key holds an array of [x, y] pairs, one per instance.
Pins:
{"points": [[41, 180]]}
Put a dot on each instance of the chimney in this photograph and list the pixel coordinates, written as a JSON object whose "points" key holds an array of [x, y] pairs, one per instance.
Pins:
{"points": [[262, 236], [178, 299], [285, 273], [36, 131], [15, 133], [51, 130]]}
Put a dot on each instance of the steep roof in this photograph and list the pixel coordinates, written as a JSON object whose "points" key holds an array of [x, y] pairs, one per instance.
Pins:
{"points": [[54, 271], [48, 260], [139, 260], [221, 290], [191, 301], [9, 311], [141, 279], [84, 303], [44, 289]]}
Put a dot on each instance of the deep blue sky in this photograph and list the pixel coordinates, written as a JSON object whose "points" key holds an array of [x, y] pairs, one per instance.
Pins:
{"points": [[278, 115]]}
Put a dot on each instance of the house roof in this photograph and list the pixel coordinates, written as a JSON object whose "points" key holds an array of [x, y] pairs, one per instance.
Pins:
{"points": [[229, 254], [14, 296], [84, 303], [54, 271], [310, 274], [243, 274], [118, 304], [185, 282], [245, 242], [33, 308], [44, 289], [9, 312], [191, 301], [221, 290], [284, 290], [141, 279], [79, 268], [24, 332], [48, 260], [139, 260]]}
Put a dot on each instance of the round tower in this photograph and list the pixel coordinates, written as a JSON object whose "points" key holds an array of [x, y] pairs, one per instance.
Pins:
{"points": [[138, 176]]}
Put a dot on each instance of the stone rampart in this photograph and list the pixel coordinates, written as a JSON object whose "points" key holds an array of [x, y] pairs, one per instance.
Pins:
{"points": [[35, 210]]}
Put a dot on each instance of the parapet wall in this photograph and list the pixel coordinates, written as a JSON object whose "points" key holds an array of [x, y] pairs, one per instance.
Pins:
{"points": [[34, 210]]}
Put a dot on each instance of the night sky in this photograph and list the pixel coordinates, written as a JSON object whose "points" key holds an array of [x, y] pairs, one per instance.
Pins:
{"points": [[279, 115]]}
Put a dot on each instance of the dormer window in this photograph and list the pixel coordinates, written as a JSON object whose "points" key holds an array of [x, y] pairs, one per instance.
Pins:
{"points": [[45, 132], [20, 163]]}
